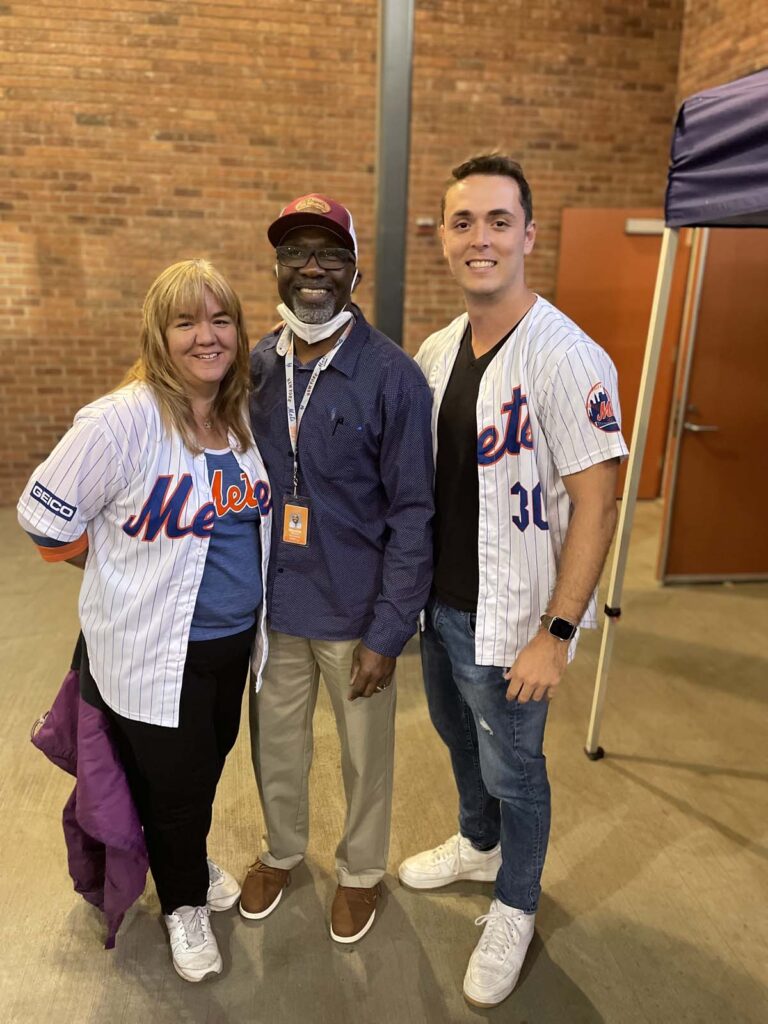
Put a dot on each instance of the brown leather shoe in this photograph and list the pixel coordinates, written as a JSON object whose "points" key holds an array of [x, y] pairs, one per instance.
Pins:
{"points": [[262, 890], [353, 912]]}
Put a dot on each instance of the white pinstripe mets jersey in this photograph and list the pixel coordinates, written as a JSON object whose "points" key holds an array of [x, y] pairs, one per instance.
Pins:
{"points": [[121, 486], [547, 407]]}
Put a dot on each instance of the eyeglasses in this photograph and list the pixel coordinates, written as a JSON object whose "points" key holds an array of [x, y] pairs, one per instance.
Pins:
{"points": [[297, 256]]}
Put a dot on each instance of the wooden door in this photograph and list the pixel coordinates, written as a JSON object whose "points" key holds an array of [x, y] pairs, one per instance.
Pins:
{"points": [[714, 526], [605, 283]]}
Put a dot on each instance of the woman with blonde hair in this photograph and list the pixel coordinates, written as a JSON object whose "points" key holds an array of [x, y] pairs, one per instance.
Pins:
{"points": [[159, 492]]}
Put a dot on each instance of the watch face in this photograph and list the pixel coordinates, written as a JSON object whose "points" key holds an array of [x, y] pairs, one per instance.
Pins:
{"points": [[562, 629]]}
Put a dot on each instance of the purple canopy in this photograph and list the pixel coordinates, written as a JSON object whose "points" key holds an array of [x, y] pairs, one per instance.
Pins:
{"points": [[718, 175]]}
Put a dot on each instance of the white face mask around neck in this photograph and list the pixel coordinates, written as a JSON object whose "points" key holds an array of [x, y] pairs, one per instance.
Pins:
{"points": [[312, 333]]}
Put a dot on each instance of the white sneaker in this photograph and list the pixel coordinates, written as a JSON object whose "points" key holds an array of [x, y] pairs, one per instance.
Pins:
{"points": [[193, 944], [452, 861], [223, 889], [495, 965]]}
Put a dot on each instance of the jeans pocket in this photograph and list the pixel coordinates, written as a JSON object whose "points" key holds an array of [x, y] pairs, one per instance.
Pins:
{"points": [[471, 623]]}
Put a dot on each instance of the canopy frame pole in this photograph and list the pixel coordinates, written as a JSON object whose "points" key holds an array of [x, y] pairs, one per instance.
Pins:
{"points": [[653, 344]]}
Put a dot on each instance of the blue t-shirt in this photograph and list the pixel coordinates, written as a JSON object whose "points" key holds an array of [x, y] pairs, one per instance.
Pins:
{"points": [[230, 591]]}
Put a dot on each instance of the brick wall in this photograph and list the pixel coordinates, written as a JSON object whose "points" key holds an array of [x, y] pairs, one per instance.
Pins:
{"points": [[722, 40], [137, 132], [583, 94]]}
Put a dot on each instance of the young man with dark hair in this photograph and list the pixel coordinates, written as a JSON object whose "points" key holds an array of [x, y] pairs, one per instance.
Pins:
{"points": [[527, 445]]}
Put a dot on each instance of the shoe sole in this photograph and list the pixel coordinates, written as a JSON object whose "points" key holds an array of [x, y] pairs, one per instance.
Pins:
{"points": [[225, 902], [211, 972], [347, 939], [259, 915], [440, 883], [485, 1006]]}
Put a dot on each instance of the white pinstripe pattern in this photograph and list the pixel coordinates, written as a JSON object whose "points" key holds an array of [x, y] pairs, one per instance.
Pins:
{"points": [[556, 366], [138, 596]]}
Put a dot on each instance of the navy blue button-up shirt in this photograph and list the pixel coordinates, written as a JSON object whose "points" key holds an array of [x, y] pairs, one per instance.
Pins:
{"points": [[365, 464]]}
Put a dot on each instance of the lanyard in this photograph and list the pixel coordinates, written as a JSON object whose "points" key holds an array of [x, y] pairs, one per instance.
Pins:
{"points": [[294, 418]]}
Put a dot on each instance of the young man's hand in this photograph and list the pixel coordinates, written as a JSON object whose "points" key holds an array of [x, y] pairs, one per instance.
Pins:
{"points": [[538, 669]]}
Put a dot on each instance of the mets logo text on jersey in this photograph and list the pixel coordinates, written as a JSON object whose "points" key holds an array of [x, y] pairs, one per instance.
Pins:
{"points": [[600, 409], [162, 511], [517, 434]]}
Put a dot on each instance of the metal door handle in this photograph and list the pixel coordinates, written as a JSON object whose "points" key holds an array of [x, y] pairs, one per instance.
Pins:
{"points": [[699, 428]]}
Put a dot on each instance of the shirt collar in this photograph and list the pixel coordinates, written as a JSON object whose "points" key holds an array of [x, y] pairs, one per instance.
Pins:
{"points": [[346, 358]]}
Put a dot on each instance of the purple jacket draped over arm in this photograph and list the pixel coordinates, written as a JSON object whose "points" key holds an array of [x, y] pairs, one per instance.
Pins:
{"points": [[106, 851]]}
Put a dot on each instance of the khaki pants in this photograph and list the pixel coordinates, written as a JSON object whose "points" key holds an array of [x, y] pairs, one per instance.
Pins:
{"points": [[281, 744]]}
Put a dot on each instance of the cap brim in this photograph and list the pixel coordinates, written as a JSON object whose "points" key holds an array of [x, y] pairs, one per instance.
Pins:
{"points": [[278, 229]]}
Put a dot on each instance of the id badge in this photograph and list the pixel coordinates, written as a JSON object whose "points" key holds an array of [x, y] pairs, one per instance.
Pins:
{"points": [[296, 521]]}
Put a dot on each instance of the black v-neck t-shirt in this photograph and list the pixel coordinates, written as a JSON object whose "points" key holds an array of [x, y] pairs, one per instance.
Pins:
{"points": [[457, 493]]}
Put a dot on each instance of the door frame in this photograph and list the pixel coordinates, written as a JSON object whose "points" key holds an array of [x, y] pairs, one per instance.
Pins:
{"points": [[697, 261], [686, 349]]}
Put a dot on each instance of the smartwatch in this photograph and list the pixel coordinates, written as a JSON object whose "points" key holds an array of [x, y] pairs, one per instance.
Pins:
{"points": [[562, 629]]}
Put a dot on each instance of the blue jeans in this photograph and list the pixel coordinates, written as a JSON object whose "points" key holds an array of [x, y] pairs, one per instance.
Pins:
{"points": [[496, 751]]}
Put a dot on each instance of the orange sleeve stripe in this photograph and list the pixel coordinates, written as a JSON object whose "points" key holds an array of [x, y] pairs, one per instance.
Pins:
{"points": [[65, 551]]}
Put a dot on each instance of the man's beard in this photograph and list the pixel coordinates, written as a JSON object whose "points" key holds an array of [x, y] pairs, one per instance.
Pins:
{"points": [[313, 312]]}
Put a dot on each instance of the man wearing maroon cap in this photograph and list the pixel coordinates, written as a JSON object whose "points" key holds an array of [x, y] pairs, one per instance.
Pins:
{"points": [[342, 417]]}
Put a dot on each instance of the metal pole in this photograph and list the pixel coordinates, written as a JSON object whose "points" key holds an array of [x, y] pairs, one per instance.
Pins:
{"points": [[636, 451], [394, 129]]}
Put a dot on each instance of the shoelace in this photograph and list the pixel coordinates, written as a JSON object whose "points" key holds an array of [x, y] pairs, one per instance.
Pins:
{"points": [[445, 851], [215, 874], [194, 927], [499, 936]]}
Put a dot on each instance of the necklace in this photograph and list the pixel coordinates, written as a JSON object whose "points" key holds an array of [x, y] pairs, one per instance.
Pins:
{"points": [[207, 424]]}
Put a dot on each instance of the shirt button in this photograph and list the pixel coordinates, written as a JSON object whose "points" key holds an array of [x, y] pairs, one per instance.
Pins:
{"points": [[279, 570]]}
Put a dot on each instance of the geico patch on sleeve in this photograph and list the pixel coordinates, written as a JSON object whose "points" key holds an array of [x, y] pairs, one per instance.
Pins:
{"points": [[58, 506]]}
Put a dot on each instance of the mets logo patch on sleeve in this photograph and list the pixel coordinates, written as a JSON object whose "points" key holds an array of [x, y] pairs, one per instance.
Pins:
{"points": [[600, 409], [48, 498]]}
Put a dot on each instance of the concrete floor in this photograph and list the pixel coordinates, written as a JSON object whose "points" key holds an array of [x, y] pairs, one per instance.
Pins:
{"points": [[655, 885]]}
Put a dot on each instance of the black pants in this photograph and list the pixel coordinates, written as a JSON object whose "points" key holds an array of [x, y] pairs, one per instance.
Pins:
{"points": [[173, 773]]}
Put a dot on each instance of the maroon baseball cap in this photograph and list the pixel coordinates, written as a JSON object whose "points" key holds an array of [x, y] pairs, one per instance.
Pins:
{"points": [[316, 210]]}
